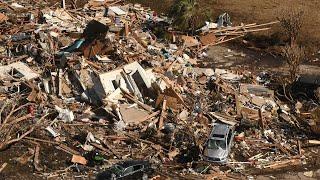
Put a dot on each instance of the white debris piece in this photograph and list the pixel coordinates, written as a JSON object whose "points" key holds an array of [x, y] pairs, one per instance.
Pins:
{"points": [[16, 5], [227, 75], [90, 138], [209, 26], [120, 125], [20, 68], [117, 10], [65, 114], [87, 147], [52, 132], [132, 78]]}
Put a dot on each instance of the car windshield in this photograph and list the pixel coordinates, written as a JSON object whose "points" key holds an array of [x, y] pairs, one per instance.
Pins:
{"points": [[218, 135], [216, 144]]}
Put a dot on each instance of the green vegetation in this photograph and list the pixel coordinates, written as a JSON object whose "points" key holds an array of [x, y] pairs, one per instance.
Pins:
{"points": [[187, 15]]}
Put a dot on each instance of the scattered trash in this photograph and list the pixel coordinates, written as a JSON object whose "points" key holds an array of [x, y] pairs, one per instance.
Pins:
{"points": [[101, 85], [52, 132], [224, 20], [127, 169], [65, 114], [79, 160]]}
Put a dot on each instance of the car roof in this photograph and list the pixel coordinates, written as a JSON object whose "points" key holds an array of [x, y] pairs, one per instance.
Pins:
{"points": [[220, 129], [129, 163]]}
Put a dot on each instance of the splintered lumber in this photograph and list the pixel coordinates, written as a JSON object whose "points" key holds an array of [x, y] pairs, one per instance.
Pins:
{"points": [[299, 147], [139, 40], [105, 150], [223, 118], [36, 160], [149, 117], [241, 32], [226, 34], [281, 147], [94, 64], [67, 149], [227, 40], [111, 150], [243, 27], [115, 137], [164, 106], [113, 3], [42, 140], [3, 166], [171, 92], [142, 105], [131, 114], [283, 164], [7, 143], [152, 144], [315, 142]]}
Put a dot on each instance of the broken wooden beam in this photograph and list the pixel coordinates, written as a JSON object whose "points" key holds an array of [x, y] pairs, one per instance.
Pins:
{"points": [[163, 111], [36, 160], [149, 117], [3, 166], [142, 105], [314, 142], [285, 163]]}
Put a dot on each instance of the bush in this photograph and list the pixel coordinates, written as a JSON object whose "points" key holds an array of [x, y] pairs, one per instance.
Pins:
{"points": [[187, 15], [291, 20], [294, 56]]}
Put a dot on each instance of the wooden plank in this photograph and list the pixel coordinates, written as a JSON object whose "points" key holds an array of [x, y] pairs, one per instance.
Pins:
{"points": [[164, 106], [149, 117], [316, 142], [283, 164], [3, 166], [130, 97]]}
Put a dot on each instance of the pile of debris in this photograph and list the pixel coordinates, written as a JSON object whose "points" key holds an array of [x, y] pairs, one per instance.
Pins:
{"points": [[102, 85]]}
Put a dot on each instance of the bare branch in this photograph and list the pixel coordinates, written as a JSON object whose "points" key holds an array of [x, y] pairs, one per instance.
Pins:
{"points": [[294, 56]]}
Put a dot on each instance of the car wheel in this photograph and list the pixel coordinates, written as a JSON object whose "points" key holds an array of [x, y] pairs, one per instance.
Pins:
{"points": [[145, 176], [113, 177]]}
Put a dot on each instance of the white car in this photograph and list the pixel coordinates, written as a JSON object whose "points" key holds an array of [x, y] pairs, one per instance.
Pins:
{"points": [[219, 143]]}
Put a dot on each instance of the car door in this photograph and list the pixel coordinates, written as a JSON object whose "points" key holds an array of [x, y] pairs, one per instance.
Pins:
{"points": [[138, 171], [133, 172], [127, 173], [229, 139]]}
